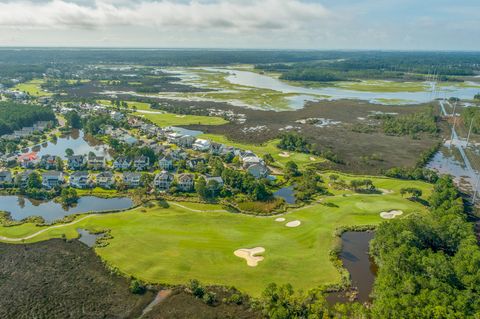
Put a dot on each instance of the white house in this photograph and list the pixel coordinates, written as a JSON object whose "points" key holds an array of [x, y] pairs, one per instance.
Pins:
{"points": [[201, 145], [105, 179], [79, 179], [132, 179], [141, 163], [185, 182], [122, 163]]}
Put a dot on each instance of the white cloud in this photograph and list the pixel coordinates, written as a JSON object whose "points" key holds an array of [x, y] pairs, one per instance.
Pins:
{"points": [[221, 15]]}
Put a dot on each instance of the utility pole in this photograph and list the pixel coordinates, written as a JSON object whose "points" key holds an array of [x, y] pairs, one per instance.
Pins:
{"points": [[469, 131], [475, 192], [454, 121]]}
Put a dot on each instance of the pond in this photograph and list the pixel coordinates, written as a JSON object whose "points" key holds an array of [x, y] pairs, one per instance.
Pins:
{"points": [[362, 269], [77, 140], [185, 131], [21, 207], [88, 238], [287, 193]]}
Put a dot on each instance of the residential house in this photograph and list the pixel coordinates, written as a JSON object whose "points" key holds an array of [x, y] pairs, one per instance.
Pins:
{"points": [[52, 179], [22, 178], [178, 154], [174, 137], [128, 139], [259, 170], [158, 148], [186, 141], [95, 162], [193, 162], [122, 163], [5, 177], [255, 166], [201, 145], [28, 160], [163, 180], [116, 116], [105, 179], [216, 148], [166, 162], [48, 161], [75, 162], [250, 160], [132, 179], [79, 179], [141, 163], [185, 182]]}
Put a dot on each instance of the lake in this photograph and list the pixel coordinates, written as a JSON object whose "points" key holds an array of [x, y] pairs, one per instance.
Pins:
{"points": [[77, 140], [287, 193], [21, 207], [362, 269]]}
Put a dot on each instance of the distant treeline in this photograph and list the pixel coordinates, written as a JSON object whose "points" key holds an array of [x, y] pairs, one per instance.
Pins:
{"points": [[380, 65], [14, 116]]}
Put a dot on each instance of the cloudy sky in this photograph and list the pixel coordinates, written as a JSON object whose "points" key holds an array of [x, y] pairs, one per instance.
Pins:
{"points": [[293, 24]]}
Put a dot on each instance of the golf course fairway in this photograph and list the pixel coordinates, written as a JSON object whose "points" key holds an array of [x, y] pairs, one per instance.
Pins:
{"points": [[197, 241]]}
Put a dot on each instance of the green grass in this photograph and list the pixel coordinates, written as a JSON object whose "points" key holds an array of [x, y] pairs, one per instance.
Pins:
{"points": [[268, 147], [173, 245], [33, 88], [169, 119]]}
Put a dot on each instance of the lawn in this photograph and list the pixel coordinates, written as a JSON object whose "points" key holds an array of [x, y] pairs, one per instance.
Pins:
{"points": [[169, 119], [172, 245], [33, 88]]}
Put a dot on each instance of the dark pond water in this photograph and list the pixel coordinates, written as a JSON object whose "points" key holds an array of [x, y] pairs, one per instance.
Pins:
{"points": [[287, 193], [88, 238], [80, 143], [20, 207], [357, 261]]}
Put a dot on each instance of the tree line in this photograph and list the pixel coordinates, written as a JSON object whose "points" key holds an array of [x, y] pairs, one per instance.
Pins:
{"points": [[14, 116]]}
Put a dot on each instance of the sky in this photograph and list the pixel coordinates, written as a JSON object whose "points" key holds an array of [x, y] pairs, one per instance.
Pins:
{"points": [[262, 24]]}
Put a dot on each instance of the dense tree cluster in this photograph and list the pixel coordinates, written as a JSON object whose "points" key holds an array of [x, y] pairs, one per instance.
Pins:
{"points": [[296, 143], [428, 264], [410, 124], [14, 116]]}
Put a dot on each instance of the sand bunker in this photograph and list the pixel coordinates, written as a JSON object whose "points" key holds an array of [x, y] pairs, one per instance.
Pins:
{"points": [[249, 255], [280, 219], [391, 214], [294, 223], [284, 154]]}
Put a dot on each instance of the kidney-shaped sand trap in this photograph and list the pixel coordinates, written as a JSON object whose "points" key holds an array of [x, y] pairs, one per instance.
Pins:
{"points": [[280, 219], [391, 214], [249, 255], [294, 223]]}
